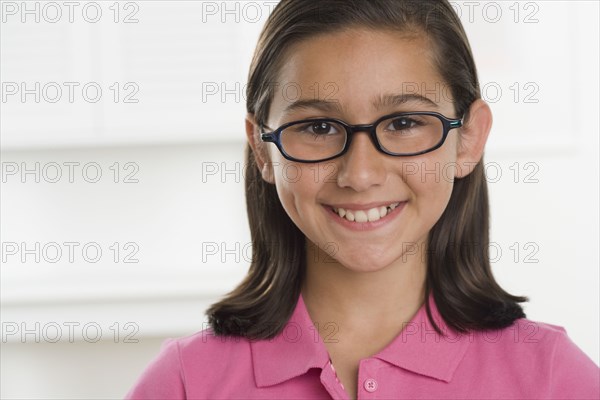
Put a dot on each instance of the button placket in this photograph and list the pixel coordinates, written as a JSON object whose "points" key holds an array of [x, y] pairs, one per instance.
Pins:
{"points": [[335, 374], [367, 374], [331, 382]]}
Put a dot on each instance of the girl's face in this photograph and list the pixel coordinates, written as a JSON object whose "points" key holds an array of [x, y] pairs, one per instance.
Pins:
{"points": [[360, 70]]}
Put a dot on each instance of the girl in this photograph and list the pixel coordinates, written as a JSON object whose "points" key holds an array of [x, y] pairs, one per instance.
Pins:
{"points": [[368, 210]]}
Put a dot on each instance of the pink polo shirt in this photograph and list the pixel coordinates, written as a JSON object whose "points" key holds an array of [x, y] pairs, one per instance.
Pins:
{"points": [[528, 360]]}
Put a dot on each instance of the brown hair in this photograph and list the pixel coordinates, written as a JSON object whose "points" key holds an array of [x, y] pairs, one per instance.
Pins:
{"points": [[458, 267]]}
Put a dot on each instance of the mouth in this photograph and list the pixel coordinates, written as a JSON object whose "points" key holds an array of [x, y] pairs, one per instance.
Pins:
{"points": [[372, 214]]}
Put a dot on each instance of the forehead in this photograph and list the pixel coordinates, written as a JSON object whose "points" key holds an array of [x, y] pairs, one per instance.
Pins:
{"points": [[358, 68]]}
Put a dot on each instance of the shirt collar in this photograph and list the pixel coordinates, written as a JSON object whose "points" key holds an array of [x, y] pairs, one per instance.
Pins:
{"points": [[418, 348]]}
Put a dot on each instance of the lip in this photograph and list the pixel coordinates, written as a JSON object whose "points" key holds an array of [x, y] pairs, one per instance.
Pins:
{"points": [[365, 226], [365, 206]]}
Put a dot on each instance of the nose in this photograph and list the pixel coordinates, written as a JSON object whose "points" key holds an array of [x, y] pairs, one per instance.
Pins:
{"points": [[363, 165]]}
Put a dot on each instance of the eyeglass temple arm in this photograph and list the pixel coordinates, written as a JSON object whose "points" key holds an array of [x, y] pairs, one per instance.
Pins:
{"points": [[266, 136], [457, 123]]}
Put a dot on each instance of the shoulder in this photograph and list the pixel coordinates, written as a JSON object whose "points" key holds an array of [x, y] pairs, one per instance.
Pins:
{"points": [[162, 378], [543, 354], [573, 374], [180, 361], [207, 353]]}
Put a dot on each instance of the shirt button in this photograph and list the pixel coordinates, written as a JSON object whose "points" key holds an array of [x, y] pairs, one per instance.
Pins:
{"points": [[370, 385]]}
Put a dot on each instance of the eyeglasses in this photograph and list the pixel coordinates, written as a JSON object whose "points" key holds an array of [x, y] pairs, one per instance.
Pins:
{"points": [[400, 134]]}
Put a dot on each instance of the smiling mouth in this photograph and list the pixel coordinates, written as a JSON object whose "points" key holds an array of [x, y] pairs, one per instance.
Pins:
{"points": [[361, 216]]}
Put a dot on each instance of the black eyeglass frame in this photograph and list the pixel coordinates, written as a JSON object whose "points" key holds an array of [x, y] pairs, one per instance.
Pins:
{"points": [[275, 136]]}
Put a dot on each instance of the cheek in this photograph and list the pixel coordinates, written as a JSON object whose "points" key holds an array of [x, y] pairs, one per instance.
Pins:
{"points": [[294, 187], [431, 182]]}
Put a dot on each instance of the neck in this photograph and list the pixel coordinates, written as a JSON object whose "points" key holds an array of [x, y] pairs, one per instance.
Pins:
{"points": [[363, 303]]}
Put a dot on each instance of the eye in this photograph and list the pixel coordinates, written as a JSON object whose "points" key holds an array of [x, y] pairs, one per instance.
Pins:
{"points": [[401, 123], [320, 128]]}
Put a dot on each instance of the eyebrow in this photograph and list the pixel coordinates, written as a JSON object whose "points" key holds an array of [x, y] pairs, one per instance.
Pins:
{"points": [[377, 103]]}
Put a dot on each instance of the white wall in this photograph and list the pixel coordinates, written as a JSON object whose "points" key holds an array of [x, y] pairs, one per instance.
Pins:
{"points": [[178, 197]]}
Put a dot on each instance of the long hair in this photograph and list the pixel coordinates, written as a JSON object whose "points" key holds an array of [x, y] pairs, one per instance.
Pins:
{"points": [[458, 267]]}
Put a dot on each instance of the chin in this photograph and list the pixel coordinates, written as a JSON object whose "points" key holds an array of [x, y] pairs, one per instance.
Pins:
{"points": [[364, 264]]}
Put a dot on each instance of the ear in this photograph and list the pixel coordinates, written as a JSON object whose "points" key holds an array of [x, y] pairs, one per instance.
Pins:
{"points": [[258, 149], [473, 136]]}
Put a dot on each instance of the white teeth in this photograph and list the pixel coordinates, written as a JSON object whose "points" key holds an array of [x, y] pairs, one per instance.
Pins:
{"points": [[360, 216], [371, 215], [349, 216]]}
